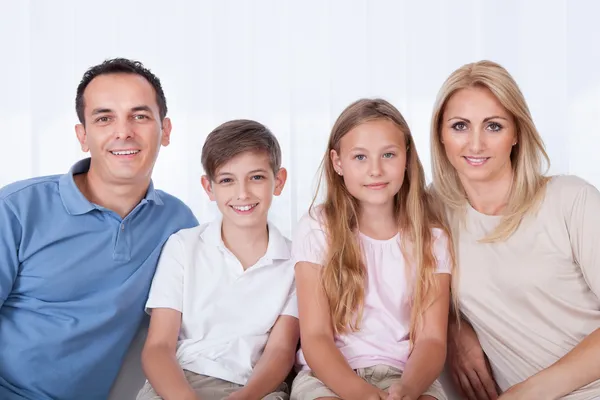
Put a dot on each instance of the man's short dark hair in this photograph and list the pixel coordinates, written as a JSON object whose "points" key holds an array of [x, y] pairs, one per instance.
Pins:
{"points": [[119, 66], [236, 137]]}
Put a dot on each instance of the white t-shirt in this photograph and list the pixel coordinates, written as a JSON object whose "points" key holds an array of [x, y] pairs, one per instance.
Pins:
{"points": [[227, 313]]}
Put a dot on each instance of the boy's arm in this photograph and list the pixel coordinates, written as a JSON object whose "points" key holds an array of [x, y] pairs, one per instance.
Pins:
{"points": [[317, 338], [159, 359], [158, 356], [276, 361], [427, 358], [10, 238]]}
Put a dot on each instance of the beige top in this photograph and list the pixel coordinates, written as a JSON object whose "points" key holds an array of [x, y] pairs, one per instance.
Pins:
{"points": [[534, 297]]}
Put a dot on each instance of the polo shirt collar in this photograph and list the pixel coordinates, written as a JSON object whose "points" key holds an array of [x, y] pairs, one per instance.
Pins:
{"points": [[277, 249], [76, 203]]}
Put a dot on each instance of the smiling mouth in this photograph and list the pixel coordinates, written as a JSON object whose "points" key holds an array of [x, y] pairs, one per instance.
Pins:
{"points": [[244, 209], [476, 161], [124, 152]]}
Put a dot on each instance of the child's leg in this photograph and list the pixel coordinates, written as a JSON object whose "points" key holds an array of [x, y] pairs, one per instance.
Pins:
{"points": [[282, 393], [384, 376], [207, 387], [147, 393], [307, 387]]}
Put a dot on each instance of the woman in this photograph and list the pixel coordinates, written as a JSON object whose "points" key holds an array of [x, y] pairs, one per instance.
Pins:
{"points": [[529, 269]]}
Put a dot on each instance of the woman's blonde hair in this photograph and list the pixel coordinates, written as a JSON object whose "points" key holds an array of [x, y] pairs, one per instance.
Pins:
{"points": [[344, 273], [527, 155]]}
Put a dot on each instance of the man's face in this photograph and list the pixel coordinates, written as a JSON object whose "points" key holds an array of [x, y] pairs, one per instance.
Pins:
{"points": [[123, 131]]}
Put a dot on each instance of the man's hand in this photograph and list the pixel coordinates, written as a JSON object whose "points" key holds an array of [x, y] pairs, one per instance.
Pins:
{"points": [[468, 364]]}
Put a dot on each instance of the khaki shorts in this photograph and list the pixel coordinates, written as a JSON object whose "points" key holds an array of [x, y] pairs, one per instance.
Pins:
{"points": [[209, 388], [307, 387]]}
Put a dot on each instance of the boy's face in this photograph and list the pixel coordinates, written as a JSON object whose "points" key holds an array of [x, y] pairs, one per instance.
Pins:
{"points": [[244, 187]]}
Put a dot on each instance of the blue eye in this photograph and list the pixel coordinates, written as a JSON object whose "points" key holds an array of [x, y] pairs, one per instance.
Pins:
{"points": [[360, 157], [257, 177], [388, 155]]}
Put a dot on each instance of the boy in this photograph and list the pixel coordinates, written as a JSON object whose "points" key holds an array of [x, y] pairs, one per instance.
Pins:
{"points": [[223, 308]]}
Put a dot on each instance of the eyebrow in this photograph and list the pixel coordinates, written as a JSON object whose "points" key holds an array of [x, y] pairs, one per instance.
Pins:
{"points": [[108, 110], [142, 108], [485, 120], [249, 173], [385, 148]]}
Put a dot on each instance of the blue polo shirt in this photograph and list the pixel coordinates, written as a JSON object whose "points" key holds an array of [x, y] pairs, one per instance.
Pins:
{"points": [[74, 278]]}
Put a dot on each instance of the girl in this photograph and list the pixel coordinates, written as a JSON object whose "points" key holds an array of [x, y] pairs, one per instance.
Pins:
{"points": [[535, 302], [372, 268]]}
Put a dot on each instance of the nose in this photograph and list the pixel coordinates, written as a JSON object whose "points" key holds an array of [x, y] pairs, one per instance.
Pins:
{"points": [[476, 141], [123, 129], [242, 193], [375, 167]]}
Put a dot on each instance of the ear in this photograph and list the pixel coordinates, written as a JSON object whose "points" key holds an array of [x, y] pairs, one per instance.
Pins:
{"points": [[82, 137], [280, 178], [166, 132], [207, 185], [336, 162]]}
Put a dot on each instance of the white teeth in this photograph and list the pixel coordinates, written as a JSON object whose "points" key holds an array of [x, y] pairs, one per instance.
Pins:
{"points": [[245, 208], [125, 153], [476, 160]]}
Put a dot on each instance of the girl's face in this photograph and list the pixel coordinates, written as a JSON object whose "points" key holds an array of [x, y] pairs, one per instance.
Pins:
{"points": [[372, 161]]}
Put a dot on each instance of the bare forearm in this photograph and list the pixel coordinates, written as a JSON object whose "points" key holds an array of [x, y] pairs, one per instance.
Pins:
{"points": [[576, 369], [165, 375], [424, 366], [330, 366], [270, 371]]}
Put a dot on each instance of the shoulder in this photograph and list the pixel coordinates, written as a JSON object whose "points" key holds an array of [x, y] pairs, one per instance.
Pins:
{"points": [[172, 203], [23, 189], [181, 214], [189, 236], [565, 190], [313, 219], [568, 183]]}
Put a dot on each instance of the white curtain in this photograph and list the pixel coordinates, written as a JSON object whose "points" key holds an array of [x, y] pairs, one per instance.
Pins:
{"points": [[293, 65]]}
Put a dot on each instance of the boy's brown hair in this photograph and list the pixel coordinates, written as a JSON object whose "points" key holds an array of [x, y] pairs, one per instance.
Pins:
{"points": [[236, 137]]}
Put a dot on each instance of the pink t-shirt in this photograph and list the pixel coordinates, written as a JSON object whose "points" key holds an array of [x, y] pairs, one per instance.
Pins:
{"points": [[384, 329]]}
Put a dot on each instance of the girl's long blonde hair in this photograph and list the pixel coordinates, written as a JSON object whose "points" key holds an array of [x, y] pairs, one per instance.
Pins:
{"points": [[344, 274], [527, 156]]}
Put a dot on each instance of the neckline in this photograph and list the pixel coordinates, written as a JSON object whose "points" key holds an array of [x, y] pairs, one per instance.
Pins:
{"points": [[380, 241]]}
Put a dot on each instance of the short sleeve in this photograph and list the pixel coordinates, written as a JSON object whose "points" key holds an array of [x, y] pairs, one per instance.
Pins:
{"points": [[167, 285], [441, 252], [291, 305], [309, 241], [583, 224]]}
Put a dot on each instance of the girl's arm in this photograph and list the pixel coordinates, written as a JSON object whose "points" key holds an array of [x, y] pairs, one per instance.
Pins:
{"points": [[317, 338], [427, 358], [276, 361], [158, 356]]}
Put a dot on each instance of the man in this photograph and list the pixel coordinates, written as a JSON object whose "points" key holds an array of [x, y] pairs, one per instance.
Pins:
{"points": [[78, 251]]}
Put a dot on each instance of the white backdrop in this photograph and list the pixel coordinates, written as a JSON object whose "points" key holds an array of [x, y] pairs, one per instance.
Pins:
{"points": [[293, 66]]}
